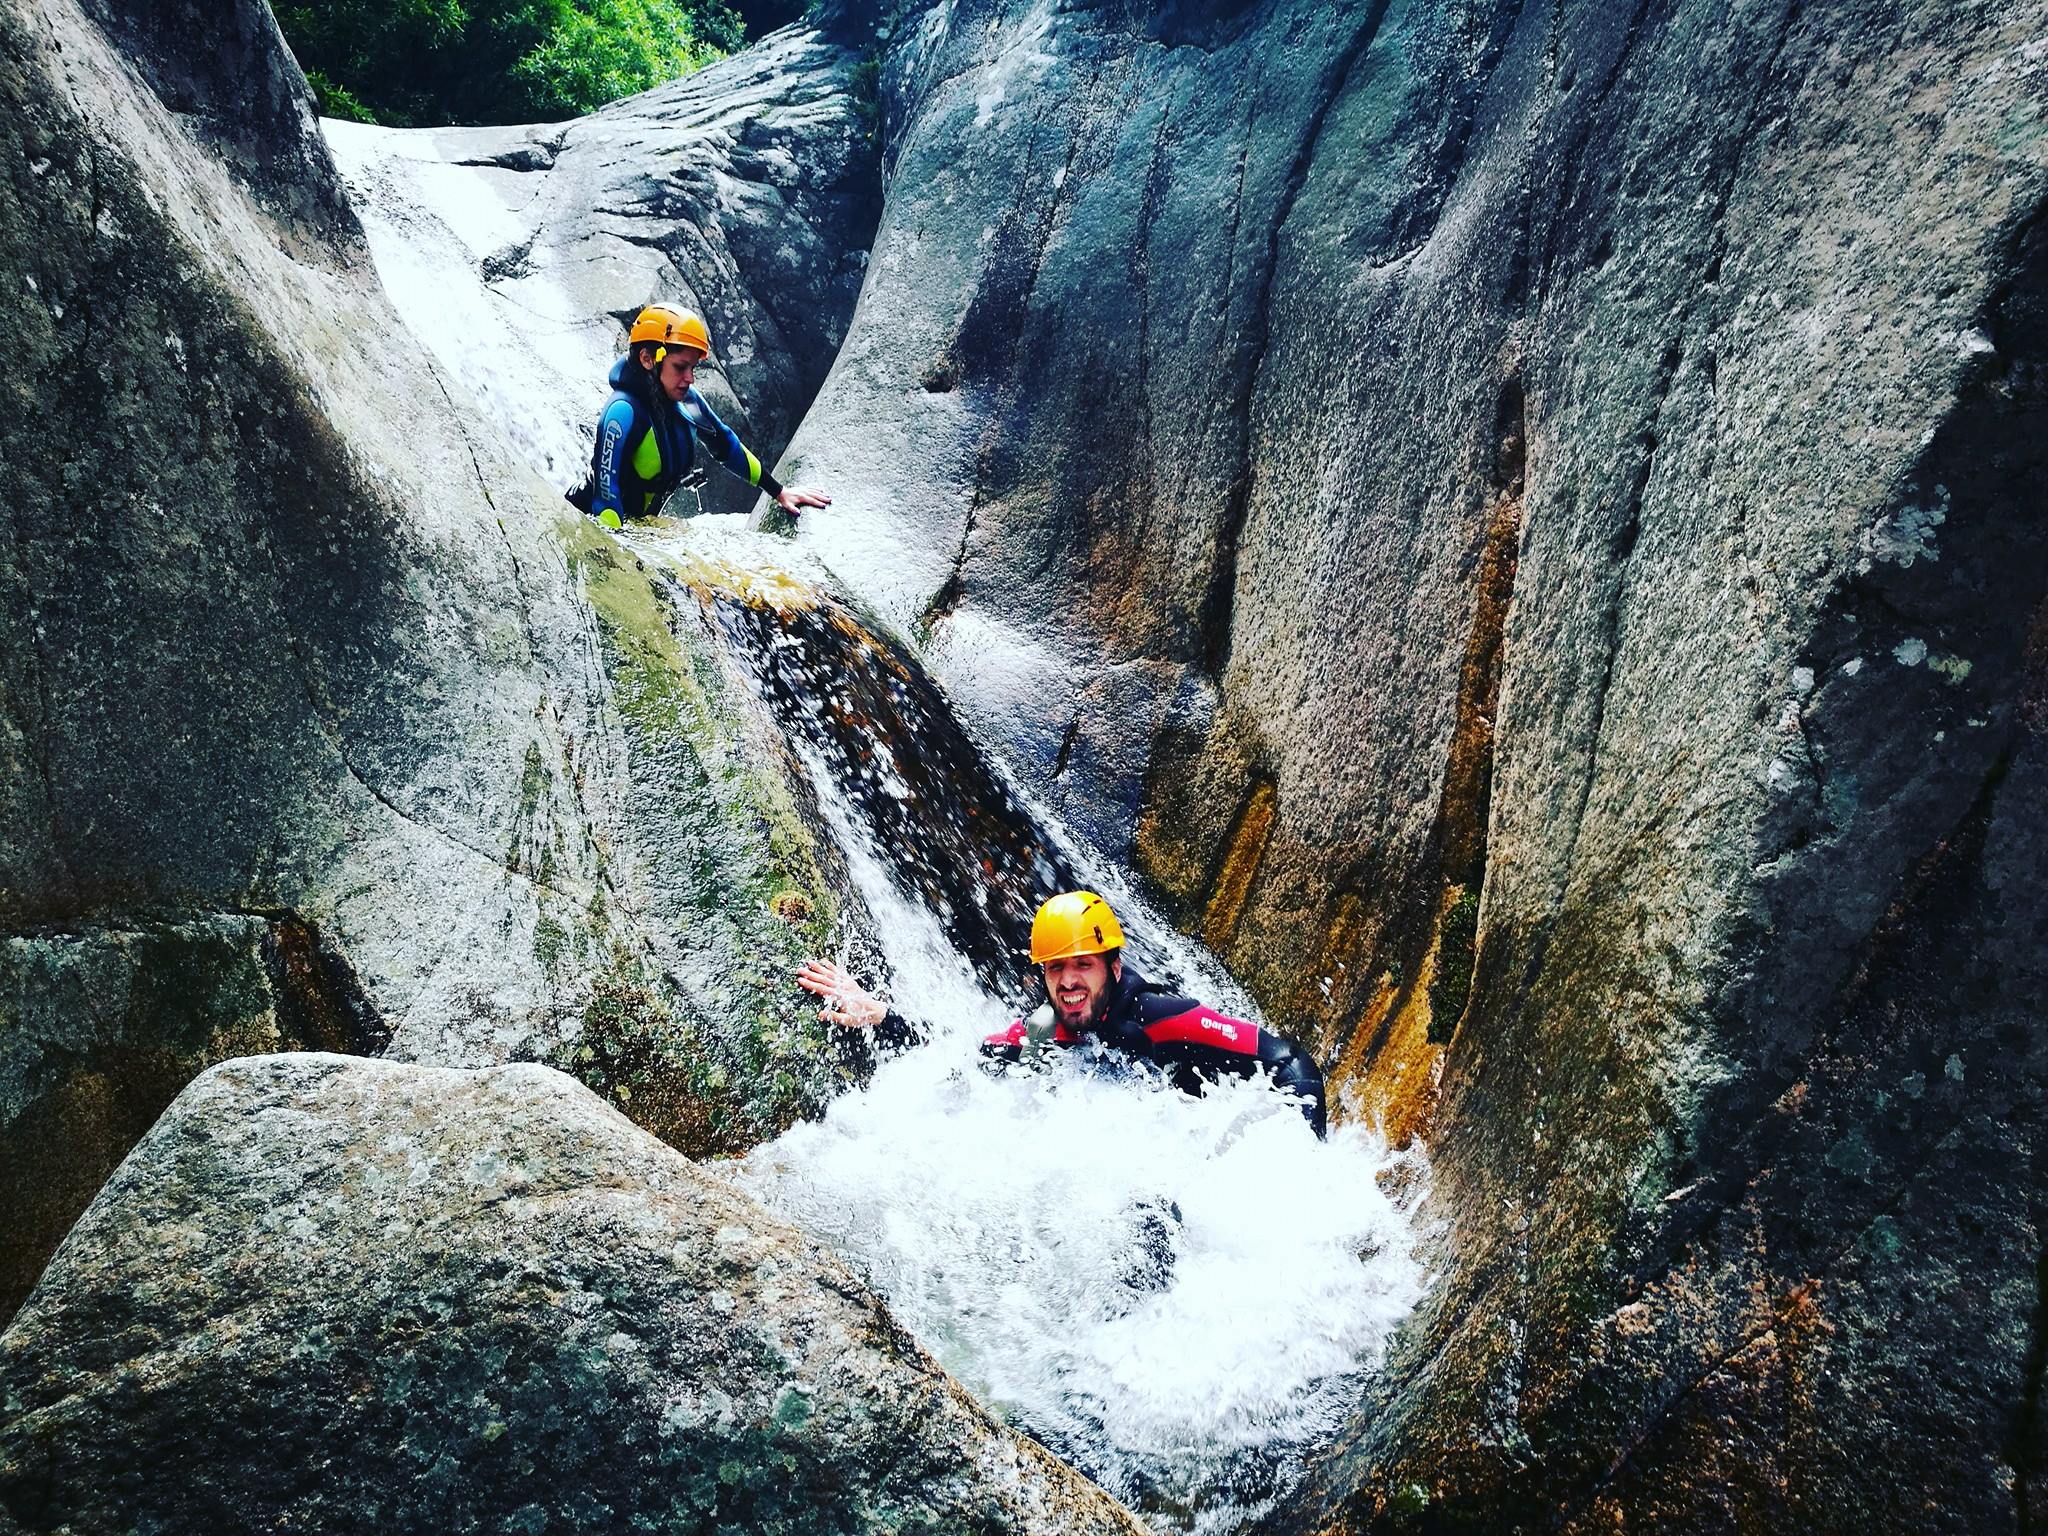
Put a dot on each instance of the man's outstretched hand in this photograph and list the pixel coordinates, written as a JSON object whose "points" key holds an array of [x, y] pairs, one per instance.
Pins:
{"points": [[847, 1003], [793, 501]]}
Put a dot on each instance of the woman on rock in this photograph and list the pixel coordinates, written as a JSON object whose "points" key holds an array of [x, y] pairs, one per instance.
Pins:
{"points": [[646, 438], [1094, 999]]}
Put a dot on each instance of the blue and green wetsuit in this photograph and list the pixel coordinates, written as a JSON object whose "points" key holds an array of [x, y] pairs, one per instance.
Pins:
{"points": [[646, 444]]}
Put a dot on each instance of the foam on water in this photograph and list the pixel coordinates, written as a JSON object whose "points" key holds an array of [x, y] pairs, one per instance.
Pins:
{"points": [[1176, 1294]]}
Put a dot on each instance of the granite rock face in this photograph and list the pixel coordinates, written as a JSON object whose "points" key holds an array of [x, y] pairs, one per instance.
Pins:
{"points": [[105, 1026], [285, 630], [1521, 521], [361, 1296]]}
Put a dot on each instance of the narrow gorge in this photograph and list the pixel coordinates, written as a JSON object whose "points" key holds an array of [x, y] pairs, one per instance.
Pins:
{"points": [[1505, 537]]}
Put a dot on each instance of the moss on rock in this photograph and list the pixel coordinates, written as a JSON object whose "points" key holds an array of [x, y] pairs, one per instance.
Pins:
{"points": [[702, 1039]]}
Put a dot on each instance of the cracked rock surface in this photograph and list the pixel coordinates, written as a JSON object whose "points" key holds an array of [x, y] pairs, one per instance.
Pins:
{"points": [[1522, 522], [365, 1296]]}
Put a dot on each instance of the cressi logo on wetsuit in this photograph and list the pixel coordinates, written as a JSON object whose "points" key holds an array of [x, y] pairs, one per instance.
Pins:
{"points": [[646, 445], [1190, 1041]]}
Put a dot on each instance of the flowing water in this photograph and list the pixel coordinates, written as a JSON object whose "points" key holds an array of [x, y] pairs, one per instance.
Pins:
{"points": [[1177, 1295]]}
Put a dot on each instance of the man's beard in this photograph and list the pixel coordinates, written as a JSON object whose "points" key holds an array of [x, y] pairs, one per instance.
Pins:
{"points": [[1087, 1016]]}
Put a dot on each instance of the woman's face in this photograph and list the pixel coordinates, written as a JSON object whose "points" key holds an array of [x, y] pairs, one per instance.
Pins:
{"points": [[676, 372]]}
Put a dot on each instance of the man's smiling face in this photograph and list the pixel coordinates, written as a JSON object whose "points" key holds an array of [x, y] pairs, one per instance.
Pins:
{"points": [[1077, 984]]}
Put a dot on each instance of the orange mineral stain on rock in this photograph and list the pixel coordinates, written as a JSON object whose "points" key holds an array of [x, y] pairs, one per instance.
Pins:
{"points": [[1240, 865], [1389, 1073]]}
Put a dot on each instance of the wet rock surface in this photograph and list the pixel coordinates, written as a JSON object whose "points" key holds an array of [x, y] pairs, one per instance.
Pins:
{"points": [[361, 1296], [288, 631], [1517, 520]]}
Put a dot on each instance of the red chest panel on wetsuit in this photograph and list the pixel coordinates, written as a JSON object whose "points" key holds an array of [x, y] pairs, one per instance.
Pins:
{"points": [[1203, 1025], [1017, 1034]]}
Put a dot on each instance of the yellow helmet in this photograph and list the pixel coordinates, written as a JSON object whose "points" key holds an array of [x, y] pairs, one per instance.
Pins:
{"points": [[667, 326], [1074, 923]]}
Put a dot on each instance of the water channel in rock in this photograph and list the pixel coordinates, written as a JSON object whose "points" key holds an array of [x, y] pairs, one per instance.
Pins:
{"points": [[1177, 1295]]}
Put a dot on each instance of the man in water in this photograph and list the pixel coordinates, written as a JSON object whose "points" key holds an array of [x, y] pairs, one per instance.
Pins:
{"points": [[646, 438], [1095, 999]]}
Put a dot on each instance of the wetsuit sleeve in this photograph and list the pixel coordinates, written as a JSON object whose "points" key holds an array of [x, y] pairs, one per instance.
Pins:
{"points": [[614, 433], [1184, 1035], [725, 444], [1005, 1045], [896, 1033], [1295, 1072]]}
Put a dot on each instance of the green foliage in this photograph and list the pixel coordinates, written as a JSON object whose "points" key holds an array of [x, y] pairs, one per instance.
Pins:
{"points": [[337, 100], [436, 62], [867, 94]]}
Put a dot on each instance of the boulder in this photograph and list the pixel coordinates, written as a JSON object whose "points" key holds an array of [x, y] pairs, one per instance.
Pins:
{"points": [[355, 1295]]}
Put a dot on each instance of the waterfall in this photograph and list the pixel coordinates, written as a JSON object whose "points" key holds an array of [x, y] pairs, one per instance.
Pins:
{"points": [[1178, 1295]]}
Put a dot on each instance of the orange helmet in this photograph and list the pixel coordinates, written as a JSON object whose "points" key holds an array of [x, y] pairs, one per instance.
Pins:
{"points": [[666, 326], [1074, 923]]}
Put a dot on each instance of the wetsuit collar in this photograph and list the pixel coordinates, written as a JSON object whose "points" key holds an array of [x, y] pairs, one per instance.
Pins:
{"points": [[632, 381]]}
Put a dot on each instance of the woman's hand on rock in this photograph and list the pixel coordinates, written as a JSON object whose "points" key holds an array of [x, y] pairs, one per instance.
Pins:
{"points": [[793, 501], [847, 1003]]}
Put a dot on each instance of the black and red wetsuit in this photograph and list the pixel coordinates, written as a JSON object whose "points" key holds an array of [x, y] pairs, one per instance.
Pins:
{"points": [[1189, 1041]]}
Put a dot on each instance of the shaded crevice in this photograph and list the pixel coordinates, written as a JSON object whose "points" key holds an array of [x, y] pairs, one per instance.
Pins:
{"points": [[36, 742], [946, 601], [1745, 138], [1067, 739], [1465, 808], [1425, 207], [534, 155], [1440, 905], [1231, 241], [320, 999], [1217, 621], [989, 342], [1140, 499], [169, 992], [1621, 554], [1567, 179]]}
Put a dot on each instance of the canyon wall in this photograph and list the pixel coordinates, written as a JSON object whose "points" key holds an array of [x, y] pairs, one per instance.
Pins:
{"points": [[311, 693], [1522, 523]]}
